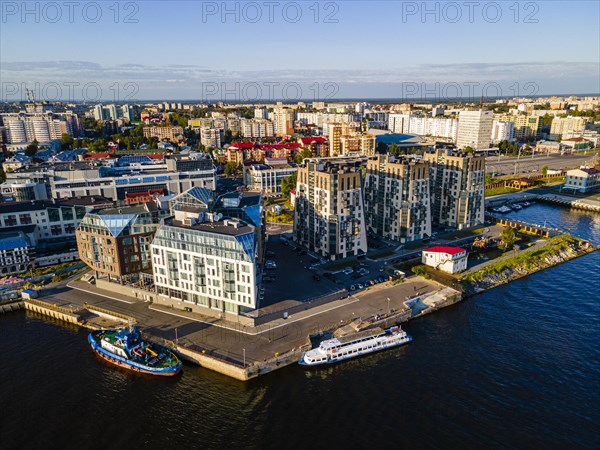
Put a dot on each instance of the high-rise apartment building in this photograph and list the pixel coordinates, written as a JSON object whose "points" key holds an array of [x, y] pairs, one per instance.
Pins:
{"points": [[502, 131], [329, 210], [397, 198], [457, 184], [474, 129], [283, 121], [358, 144], [561, 126], [257, 128]]}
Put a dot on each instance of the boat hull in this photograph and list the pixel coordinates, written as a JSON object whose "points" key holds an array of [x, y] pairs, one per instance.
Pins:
{"points": [[131, 365], [352, 356]]}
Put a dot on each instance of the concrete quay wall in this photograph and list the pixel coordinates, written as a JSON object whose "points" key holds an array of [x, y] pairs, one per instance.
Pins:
{"points": [[50, 310]]}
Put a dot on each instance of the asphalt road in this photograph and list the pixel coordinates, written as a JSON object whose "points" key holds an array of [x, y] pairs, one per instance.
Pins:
{"points": [[526, 164]]}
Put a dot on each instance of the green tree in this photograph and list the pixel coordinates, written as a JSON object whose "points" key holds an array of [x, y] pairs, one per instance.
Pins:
{"points": [[288, 183], [468, 149], [32, 148], [545, 170], [66, 141], [421, 270], [488, 178], [394, 149], [230, 169], [304, 153], [508, 238], [382, 148]]}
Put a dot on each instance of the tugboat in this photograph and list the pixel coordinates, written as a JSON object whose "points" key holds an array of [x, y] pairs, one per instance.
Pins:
{"points": [[357, 344], [126, 348]]}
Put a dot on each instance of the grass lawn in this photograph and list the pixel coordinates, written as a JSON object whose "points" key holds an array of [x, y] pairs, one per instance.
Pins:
{"points": [[284, 217], [499, 191]]}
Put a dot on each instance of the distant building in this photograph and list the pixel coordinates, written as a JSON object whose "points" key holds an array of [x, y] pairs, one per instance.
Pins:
{"points": [[457, 183], [257, 128], [444, 258], [358, 144], [166, 132], [211, 137], [329, 209], [564, 125], [474, 129], [582, 180], [14, 253], [502, 131], [397, 198]]}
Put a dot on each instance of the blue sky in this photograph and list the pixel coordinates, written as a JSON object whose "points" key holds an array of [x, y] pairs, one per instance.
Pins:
{"points": [[265, 50]]}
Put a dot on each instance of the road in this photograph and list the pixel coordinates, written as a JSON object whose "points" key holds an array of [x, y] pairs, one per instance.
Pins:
{"points": [[526, 164]]}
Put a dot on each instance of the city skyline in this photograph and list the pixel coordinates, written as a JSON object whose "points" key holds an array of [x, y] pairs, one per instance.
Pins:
{"points": [[323, 51]]}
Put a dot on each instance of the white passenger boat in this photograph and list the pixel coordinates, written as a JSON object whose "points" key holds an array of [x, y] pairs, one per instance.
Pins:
{"points": [[357, 344], [503, 209]]}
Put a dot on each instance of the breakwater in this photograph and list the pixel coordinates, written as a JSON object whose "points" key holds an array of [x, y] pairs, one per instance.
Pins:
{"points": [[558, 250]]}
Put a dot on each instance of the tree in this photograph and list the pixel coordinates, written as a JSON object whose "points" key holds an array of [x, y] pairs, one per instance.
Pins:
{"points": [[544, 170], [288, 183], [394, 149], [468, 149], [32, 148], [230, 169], [305, 153], [508, 238], [382, 148], [66, 141], [488, 178]]}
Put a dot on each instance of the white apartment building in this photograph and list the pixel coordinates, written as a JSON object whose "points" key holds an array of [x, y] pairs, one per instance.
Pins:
{"points": [[267, 177], [502, 131], [43, 127], [474, 129], [211, 137], [204, 263], [257, 128], [424, 126], [561, 126]]}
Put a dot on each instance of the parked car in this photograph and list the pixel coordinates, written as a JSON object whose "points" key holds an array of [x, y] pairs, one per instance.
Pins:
{"points": [[316, 277]]}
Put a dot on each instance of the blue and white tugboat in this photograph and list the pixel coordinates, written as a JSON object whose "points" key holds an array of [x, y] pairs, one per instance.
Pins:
{"points": [[126, 348], [357, 344]]}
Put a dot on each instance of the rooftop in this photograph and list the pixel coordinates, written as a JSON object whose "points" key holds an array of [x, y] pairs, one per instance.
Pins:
{"points": [[445, 249]]}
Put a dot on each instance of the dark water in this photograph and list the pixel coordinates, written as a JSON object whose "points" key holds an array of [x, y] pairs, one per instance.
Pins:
{"points": [[516, 367]]}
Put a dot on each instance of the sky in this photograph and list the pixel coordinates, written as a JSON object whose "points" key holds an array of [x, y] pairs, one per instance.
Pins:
{"points": [[269, 50]]}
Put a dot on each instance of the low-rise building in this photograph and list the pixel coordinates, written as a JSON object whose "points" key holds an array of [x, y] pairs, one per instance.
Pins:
{"points": [[583, 179], [14, 253], [445, 258], [267, 177]]}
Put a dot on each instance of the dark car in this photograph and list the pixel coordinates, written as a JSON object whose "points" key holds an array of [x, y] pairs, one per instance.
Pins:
{"points": [[316, 277]]}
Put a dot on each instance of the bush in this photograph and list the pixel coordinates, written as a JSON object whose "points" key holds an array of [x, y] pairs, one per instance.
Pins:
{"points": [[421, 270]]}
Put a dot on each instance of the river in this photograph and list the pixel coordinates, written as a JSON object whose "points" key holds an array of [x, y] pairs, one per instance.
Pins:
{"points": [[517, 366]]}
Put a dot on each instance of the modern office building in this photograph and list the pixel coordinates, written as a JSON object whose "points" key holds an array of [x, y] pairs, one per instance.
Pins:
{"points": [[115, 242], [110, 179], [474, 129], [329, 209], [457, 184], [397, 198], [205, 263], [267, 177]]}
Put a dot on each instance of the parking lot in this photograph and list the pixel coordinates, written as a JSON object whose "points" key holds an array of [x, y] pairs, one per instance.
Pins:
{"points": [[292, 279]]}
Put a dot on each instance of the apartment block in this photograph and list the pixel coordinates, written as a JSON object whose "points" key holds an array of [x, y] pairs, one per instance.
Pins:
{"points": [[474, 129], [161, 133], [457, 185], [397, 198], [115, 242], [211, 137], [267, 177], [329, 209], [206, 263], [257, 128]]}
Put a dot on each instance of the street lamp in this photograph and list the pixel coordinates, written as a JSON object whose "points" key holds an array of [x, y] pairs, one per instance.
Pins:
{"points": [[244, 351]]}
